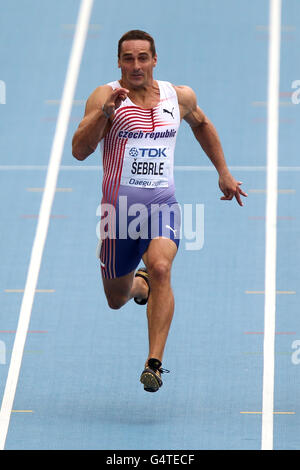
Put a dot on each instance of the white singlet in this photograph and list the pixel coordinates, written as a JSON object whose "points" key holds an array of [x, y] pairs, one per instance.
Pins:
{"points": [[138, 151]]}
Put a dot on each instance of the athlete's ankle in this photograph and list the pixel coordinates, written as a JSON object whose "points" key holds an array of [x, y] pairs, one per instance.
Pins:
{"points": [[140, 288]]}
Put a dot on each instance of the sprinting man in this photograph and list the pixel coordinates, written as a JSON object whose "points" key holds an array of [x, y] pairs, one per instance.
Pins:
{"points": [[136, 120]]}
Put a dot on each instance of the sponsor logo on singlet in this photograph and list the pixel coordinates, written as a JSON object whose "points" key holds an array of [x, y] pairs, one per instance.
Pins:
{"points": [[148, 152], [146, 166]]}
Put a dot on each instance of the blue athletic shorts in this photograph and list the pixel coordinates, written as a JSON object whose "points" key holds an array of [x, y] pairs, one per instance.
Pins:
{"points": [[126, 234]]}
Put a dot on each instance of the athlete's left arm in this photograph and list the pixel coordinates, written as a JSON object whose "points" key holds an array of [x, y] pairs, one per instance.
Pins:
{"points": [[207, 136]]}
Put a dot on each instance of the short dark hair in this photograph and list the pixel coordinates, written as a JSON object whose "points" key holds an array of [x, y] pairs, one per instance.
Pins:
{"points": [[137, 34]]}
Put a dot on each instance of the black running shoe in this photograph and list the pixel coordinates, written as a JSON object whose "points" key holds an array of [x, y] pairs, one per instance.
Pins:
{"points": [[151, 375], [142, 272]]}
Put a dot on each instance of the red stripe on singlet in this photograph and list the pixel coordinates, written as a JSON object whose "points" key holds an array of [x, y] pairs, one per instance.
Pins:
{"points": [[114, 150]]}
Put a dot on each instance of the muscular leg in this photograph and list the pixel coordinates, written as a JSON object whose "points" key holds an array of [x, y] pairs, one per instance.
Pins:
{"points": [[160, 308], [119, 290]]}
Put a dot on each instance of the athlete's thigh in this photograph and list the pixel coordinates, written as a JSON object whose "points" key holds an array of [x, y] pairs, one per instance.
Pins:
{"points": [[160, 249], [119, 286], [118, 258]]}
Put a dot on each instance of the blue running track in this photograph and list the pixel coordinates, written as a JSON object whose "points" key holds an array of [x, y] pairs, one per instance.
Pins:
{"points": [[78, 386]]}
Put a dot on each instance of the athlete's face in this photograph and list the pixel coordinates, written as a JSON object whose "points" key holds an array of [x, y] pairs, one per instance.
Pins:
{"points": [[136, 63]]}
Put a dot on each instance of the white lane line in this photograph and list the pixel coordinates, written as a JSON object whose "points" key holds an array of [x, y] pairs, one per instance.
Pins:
{"points": [[271, 227], [44, 216]]}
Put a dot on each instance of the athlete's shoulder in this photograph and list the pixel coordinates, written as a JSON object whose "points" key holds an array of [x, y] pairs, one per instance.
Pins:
{"points": [[97, 97], [189, 108], [101, 90], [186, 95]]}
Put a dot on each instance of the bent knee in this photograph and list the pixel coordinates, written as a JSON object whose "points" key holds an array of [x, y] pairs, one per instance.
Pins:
{"points": [[160, 270], [116, 302]]}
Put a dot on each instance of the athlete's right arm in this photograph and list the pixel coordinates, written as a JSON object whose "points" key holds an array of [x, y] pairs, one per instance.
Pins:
{"points": [[96, 121]]}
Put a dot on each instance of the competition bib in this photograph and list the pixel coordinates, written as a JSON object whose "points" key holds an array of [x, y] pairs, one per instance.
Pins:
{"points": [[146, 167]]}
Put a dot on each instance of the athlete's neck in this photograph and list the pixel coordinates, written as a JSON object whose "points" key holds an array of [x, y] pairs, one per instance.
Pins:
{"points": [[146, 95]]}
